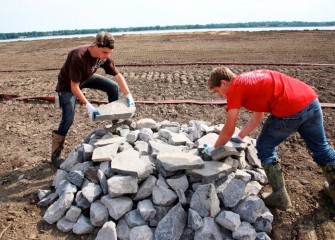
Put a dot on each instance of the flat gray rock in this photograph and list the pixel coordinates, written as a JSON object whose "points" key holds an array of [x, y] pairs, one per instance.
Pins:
{"points": [[180, 161], [116, 110]]}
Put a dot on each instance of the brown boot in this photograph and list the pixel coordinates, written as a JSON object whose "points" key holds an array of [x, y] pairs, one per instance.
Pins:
{"points": [[329, 185], [57, 147], [279, 197]]}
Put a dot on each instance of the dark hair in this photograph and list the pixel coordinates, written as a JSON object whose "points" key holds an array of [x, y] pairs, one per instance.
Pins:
{"points": [[105, 39], [218, 74]]}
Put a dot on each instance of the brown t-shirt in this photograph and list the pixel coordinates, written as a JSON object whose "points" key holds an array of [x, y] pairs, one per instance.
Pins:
{"points": [[79, 66]]}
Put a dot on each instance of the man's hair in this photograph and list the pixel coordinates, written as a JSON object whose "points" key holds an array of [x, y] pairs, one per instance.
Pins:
{"points": [[105, 39], [218, 74]]}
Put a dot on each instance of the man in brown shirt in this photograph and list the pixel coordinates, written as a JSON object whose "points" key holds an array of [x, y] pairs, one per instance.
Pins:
{"points": [[78, 72]]}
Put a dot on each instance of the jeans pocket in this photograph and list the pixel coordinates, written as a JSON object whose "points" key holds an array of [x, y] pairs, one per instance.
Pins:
{"points": [[286, 124], [314, 117]]}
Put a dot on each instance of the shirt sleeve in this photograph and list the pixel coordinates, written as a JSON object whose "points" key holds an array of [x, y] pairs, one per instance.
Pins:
{"points": [[234, 98], [75, 72], [109, 67]]}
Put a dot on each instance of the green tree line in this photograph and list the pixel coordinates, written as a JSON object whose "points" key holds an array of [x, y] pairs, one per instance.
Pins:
{"points": [[272, 24]]}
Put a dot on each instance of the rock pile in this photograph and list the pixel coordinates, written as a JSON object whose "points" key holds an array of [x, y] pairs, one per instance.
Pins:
{"points": [[149, 180]]}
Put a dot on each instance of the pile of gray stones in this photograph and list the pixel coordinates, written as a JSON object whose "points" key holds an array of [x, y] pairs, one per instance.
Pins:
{"points": [[149, 180]]}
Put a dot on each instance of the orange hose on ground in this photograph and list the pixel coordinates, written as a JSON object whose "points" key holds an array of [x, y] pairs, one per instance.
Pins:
{"points": [[190, 63], [169, 101]]}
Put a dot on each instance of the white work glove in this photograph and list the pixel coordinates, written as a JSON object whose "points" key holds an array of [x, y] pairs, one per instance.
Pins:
{"points": [[208, 149], [236, 138], [130, 100], [92, 111]]}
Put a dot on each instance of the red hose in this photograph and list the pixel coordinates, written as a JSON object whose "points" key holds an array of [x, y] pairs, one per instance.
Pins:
{"points": [[52, 99], [192, 63], [170, 101], [228, 63]]}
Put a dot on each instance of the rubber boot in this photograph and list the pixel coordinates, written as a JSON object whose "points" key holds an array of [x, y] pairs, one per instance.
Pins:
{"points": [[279, 197], [57, 147], [329, 186]]}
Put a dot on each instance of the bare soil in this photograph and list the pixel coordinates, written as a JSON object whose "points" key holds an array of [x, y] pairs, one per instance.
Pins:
{"points": [[30, 68]]}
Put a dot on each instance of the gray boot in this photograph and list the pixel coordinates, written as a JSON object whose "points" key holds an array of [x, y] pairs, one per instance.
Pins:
{"points": [[329, 186], [57, 147], [279, 197]]}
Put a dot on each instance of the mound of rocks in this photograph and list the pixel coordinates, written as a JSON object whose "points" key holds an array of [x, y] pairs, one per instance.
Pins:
{"points": [[149, 180]]}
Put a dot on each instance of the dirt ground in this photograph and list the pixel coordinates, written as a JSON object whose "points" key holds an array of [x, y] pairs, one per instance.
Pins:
{"points": [[30, 68]]}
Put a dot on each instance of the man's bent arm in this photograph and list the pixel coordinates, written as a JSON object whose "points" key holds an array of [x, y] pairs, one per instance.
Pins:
{"points": [[253, 122], [122, 83], [228, 128], [78, 93]]}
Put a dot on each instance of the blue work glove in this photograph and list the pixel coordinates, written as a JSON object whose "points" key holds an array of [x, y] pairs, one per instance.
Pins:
{"points": [[208, 149], [92, 111], [130, 100], [236, 138]]}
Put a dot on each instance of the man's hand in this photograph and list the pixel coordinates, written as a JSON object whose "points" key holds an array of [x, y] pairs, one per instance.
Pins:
{"points": [[130, 100], [92, 111], [236, 138], [208, 149]]}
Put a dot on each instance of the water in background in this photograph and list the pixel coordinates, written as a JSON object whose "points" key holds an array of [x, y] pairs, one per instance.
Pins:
{"points": [[178, 31]]}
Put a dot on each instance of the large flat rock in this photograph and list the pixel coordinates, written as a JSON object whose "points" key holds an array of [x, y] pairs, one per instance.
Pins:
{"points": [[116, 110]]}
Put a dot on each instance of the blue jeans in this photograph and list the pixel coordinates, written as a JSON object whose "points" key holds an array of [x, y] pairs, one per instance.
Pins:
{"points": [[308, 123], [67, 100]]}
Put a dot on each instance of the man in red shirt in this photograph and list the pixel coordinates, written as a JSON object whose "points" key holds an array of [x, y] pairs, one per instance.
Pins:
{"points": [[78, 72], [293, 107]]}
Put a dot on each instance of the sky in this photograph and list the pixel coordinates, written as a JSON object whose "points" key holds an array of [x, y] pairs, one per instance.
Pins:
{"points": [[52, 15]]}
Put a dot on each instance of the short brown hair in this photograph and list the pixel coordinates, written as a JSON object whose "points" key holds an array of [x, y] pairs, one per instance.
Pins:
{"points": [[105, 39], [218, 74]]}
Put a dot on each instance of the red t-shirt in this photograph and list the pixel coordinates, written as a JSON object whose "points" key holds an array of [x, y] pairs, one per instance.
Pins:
{"points": [[269, 91], [79, 66]]}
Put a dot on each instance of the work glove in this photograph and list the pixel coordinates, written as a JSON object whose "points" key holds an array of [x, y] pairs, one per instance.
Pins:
{"points": [[236, 138], [208, 149], [130, 100], [92, 111]]}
